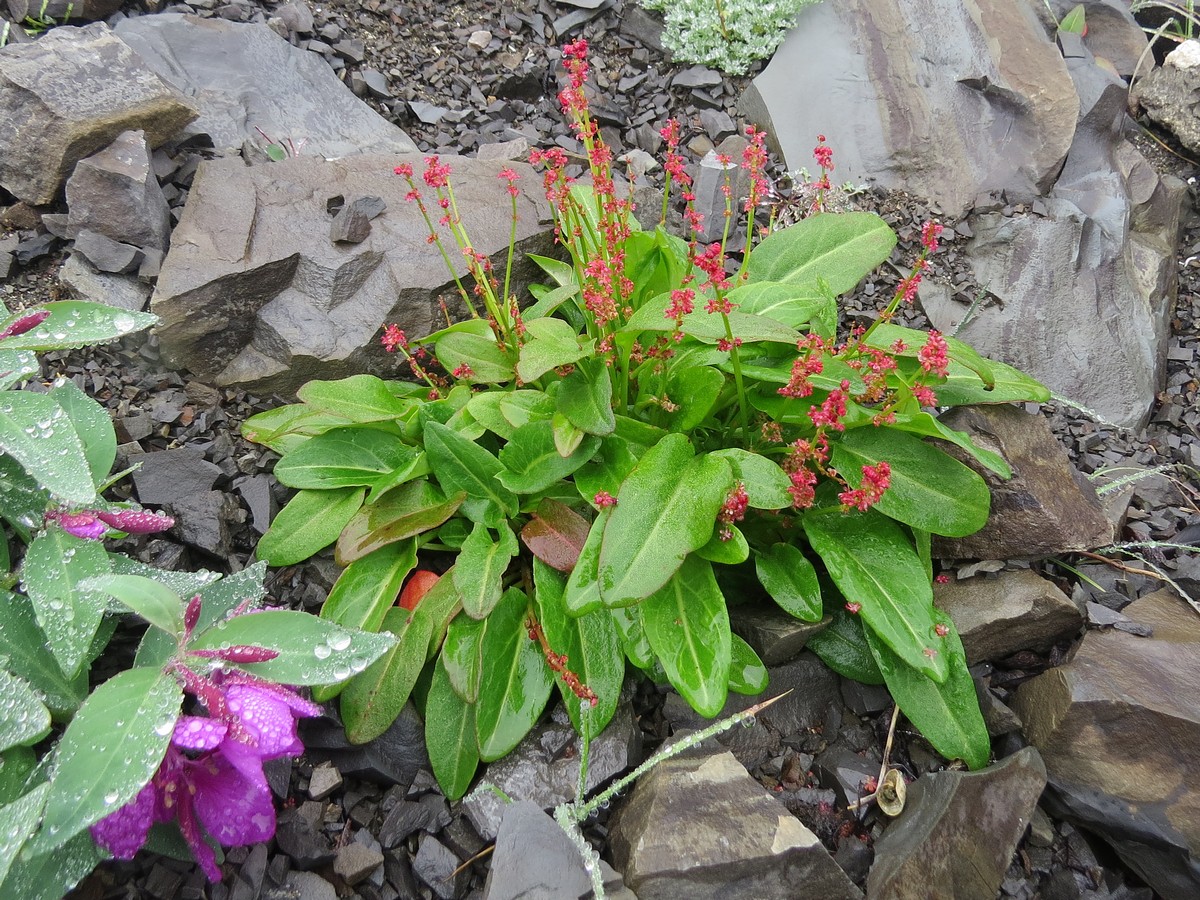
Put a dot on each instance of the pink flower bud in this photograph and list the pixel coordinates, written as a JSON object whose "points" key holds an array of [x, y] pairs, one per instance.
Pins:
{"points": [[136, 521], [191, 615], [27, 322], [83, 524]]}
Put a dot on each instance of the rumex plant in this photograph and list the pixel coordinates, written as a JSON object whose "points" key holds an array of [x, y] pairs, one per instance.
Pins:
{"points": [[593, 473], [87, 769]]}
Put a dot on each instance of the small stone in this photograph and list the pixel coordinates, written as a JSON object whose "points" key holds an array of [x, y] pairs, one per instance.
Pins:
{"points": [[324, 781], [107, 255], [435, 865], [356, 861], [479, 39]]}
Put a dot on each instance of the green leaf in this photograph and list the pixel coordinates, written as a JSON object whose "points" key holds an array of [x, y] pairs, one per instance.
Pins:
{"points": [[872, 562], [731, 551], [39, 434], [311, 521], [51, 876], [460, 655], [23, 649], [440, 605], [92, 424], [345, 457], [108, 753], [694, 390], [549, 343], [18, 819], [55, 563], [838, 248], [787, 303], [929, 489], [589, 643], [632, 634], [532, 461], [788, 576], [843, 647], [1074, 22], [311, 650], [76, 323], [582, 594], [567, 438], [709, 327], [450, 737], [687, 625], [359, 398], [403, 512], [489, 364], [16, 366], [747, 673], [924, 424], [665, 509], [154, 602], [25, 500], [586, 398], [480, 567], [963, 387], [522, 407], [766, 484], [946, 714], [368, 587], [462, 465], [371, 700], [285, 426], [24, 718], [515, 683], [484, 407], [606, 470], [555, 534]]}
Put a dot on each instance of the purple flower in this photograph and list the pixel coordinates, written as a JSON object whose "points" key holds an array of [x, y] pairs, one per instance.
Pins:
{"points": [[27, 322], [91, 524], [81, 524]]}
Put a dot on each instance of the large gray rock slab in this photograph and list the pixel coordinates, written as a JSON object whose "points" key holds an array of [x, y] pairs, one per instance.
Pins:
{"points": [[244, 76], [1046, 508], [1012, 611], [975, 101], [254, 292], [1119, 729], [700, 828], [70, 94], [958, 832]]}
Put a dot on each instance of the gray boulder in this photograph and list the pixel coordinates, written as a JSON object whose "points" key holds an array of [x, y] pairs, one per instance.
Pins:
{"points": [[70, 94], [86, 282], [254, 293], [114, 193], [1167, 94], [245, 77], [974, 101]]}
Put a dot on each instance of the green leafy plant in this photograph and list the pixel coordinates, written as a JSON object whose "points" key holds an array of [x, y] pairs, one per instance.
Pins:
{"points": [[726, 34], [595, 474], [33, 24], [82, 766]]}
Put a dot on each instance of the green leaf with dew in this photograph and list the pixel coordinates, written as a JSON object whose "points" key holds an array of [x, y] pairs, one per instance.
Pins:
{"points": [[790, 579], [25, 719], [747, 673], [92, 424], [462, 465], [78, 323], [37, 432], [153, 601], [450, 737], [372, 699], [311, 521], [480, 567]]}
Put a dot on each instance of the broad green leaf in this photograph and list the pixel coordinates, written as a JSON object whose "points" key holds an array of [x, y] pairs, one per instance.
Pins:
{"points": [[488, 363], [843, 647], [368, 587], [154, 602], [590, 644], [51, 876], [766, 484], [462, 465], [885, 335], [39, 434], [345, 457], [92, 424], [963, 387], [582, 594], [514, 684], [929, 489], [20, 771], [606, 470], [838, 248], [18, 820], [632, 635], [55, 563], [311, 521], [946, 714], [284, 426], [532, 461], [1074, 22], [450, 737], [787, 575], [728, 551], [23, 649], [687, 625], [484, 407], [403, 512], [25, 501], [311, 650], [563, 273], [359, 398], [108, 752], [555, 534], [24, 718], [480, 567], [77, 323], [372, 699], [15, 366], [639, 433], [567, 438], [522, 407], [665, 509], [709, 327], [747, 673], [549, 343], [872, 562], [586, 398], [694, 390], [924, 424], [787, 303], [460, 655]]}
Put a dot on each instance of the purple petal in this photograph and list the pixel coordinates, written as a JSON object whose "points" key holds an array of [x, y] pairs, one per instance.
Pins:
{"points": [[82, 525], [201, 851], [234, 809], [198, 733], [267, 717], [124, 832]]}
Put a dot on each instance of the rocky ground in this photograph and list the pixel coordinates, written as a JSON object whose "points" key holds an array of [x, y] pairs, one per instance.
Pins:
{"points": [[371, 822]]}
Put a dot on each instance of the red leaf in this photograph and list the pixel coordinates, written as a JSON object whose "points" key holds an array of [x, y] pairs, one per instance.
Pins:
{"points": [[555, 534], [417, 586]]}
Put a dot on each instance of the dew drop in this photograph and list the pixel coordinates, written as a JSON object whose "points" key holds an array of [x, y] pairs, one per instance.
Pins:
{"points": [[339, 641], [322, 651]]}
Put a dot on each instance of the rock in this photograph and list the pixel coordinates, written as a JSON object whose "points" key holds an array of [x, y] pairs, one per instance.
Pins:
{"points": [[33, 246], [107, 255], [840, 769], [958, 832], [86, 282], [375, 81], [299, 834], [395, 757], [202, 520], [325, 779], [355, 862], [168, 475], [922, 109], [1015, 610], [253, 293], [1164, 94], [544, 768], [1046, 508], [245, 77], [479, 39], [352, 224], [256, 494], [517, 148], [774, 635], [534, 858], [114, 192], [69, 94], [409, 816], [701, 827], [1119, 729], [310, 886], [435, 865], [710, 179], [1113, 34]]}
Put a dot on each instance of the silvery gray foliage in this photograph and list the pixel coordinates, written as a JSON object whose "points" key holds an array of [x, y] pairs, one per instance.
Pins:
{"points": [[726, 34]]}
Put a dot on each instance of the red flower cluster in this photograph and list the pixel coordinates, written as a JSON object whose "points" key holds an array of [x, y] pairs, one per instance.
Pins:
{"points": [[875, 481], [934, 355], [733, 510]]}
